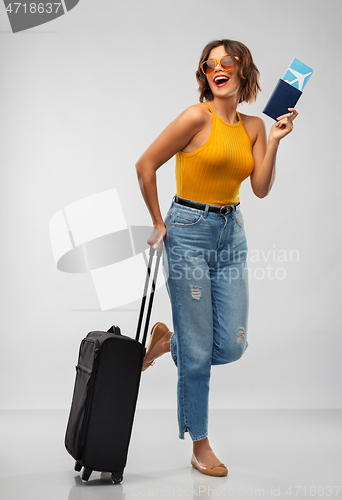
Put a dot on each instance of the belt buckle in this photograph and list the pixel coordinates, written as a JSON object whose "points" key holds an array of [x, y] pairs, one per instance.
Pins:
{"points": [[224, 210]]}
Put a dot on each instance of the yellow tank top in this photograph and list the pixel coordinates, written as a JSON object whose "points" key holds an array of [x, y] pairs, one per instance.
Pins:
{"points": [[214, 172]]}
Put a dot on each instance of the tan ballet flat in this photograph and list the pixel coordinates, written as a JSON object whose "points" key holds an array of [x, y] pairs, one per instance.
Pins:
{"points": [[209, 470], [157, 332]]}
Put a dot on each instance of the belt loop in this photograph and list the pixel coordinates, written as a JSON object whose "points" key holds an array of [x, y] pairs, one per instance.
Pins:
{"points": [[174, 199], [205, 215]]}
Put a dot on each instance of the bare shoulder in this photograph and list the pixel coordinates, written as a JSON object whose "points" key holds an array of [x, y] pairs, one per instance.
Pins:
{"points": [[196, 115], [254, 125], [252, 121]]}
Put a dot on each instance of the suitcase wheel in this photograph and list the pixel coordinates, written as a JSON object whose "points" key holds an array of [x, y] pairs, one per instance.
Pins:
{"points": [[78, 466], [86, 473], [117, 477]]}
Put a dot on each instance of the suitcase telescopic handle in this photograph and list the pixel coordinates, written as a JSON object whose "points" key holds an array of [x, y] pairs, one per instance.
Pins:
{"points": [[158, 252]]}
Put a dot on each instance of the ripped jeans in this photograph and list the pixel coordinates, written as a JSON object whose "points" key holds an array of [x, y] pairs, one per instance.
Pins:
{"points": [[207, 282]]}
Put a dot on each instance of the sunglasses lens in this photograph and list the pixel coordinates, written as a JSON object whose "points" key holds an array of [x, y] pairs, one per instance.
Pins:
{"points": [[209, 67], [227, 63]]}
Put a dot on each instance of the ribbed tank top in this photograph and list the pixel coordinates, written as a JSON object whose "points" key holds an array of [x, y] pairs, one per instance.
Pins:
{"points": [[213, 173]]}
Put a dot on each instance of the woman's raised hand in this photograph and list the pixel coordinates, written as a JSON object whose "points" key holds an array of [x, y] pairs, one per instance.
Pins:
{"points": [[283, 125]]}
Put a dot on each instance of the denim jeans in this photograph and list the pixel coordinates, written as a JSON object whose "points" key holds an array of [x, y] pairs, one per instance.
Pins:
{"points": [[207, 282]]}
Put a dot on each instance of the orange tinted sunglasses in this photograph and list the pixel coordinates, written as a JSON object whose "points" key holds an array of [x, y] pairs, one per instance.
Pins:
{"points": [[227, 63]]}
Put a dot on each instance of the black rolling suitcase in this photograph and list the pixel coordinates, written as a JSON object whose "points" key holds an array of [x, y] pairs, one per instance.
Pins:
{"points": [[105, 394]]}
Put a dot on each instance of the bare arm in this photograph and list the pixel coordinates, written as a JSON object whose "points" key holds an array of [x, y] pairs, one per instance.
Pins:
{"points": [[265, 152], [174, 138]]}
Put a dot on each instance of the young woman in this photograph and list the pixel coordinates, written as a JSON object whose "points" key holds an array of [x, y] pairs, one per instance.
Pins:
{"points": [[216, 148]]}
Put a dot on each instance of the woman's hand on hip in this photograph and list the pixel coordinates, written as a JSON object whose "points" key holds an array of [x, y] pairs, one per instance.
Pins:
{"points": [[283, 125], [157, 235]]}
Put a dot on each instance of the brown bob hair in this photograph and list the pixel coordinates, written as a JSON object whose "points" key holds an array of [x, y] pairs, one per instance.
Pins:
{"points": [[249, 73]]}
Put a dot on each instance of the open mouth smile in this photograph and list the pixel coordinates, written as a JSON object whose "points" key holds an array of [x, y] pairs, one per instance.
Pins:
{"points": [[221, 80]]}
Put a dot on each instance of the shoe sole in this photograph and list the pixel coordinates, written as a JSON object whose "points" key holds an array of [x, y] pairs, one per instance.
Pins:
{"points": [[155, 340]]}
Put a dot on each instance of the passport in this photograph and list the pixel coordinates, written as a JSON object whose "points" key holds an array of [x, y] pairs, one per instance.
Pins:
{"points": [[288, 89], [284, 96]]}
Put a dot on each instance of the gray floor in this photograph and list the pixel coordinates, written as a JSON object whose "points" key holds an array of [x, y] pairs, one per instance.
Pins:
{"points": [[287, 454]]}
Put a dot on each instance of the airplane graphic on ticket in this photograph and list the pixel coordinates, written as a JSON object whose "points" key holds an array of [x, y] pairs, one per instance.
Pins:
{"points": [[300, 72]]}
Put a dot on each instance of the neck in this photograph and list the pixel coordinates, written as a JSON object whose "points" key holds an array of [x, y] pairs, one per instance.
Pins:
{"points": [[226, 107]]}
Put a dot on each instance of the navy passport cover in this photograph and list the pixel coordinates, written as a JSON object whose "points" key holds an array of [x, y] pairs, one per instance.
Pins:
{"points": [[283, 96]]}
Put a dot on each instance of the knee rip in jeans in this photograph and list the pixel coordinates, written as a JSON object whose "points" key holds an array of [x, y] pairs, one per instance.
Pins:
{"points": [[240, 336], [196, 292]]}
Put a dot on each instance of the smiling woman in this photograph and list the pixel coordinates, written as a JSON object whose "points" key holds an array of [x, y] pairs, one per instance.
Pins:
{"points": [[248, 72], [216, 148]]}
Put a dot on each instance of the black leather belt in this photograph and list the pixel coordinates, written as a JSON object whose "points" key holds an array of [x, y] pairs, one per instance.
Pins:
{"points": [[201, 206]]}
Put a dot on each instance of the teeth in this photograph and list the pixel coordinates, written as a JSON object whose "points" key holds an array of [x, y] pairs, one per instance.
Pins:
{"points": [[221, 79]]}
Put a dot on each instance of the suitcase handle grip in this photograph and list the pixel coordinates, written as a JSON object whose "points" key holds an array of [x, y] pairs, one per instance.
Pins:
{"points": [[114, 329], [155, 238]]}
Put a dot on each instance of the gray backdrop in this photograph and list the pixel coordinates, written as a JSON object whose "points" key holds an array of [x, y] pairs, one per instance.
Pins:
{"points": [[81, 98]]}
